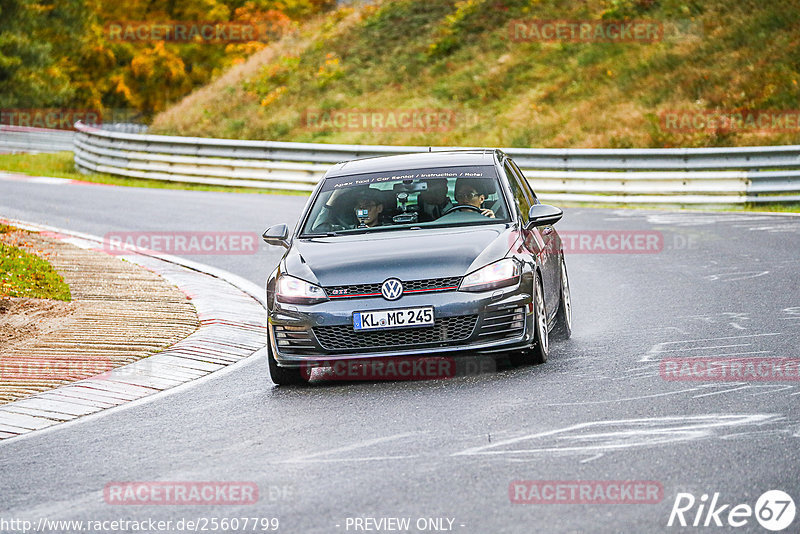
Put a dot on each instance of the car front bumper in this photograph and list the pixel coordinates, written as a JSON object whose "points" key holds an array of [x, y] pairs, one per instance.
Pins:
{"points": [[498, 320]]}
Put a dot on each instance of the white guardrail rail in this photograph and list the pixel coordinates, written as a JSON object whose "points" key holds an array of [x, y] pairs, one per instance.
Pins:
{"points": [[15, 139], [685, 176]]}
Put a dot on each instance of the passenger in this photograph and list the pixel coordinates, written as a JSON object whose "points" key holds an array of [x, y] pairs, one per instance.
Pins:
{"points": [[371, 201], [470, 191], [434, 201]]}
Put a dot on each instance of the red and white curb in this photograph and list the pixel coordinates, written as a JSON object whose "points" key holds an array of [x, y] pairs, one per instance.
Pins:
{"points": [[50, 180], [232, 328]]}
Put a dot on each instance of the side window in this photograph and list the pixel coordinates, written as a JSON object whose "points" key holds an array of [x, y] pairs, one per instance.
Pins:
{"points": [[525, 184], [520, 198]]}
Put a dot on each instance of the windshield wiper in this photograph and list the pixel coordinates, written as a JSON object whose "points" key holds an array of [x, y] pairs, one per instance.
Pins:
{"points": [[376, 229], [326, 234]]}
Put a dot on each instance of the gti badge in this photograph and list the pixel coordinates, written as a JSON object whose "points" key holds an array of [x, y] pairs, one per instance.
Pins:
{"points": [[392, 289]]}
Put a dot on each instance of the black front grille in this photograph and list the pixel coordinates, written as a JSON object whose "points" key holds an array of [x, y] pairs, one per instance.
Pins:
{"points": [[412, 286], [435, 283], [293, 339], [507, 322], [444, 331]]}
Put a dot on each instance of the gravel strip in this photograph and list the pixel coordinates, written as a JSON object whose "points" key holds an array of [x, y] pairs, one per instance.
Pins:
{"points": [[232, 327], [120, 313]]}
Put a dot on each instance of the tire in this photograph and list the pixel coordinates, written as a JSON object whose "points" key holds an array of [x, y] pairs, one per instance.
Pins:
{"points": [[538, 351], [284, 376], [563, 327]]}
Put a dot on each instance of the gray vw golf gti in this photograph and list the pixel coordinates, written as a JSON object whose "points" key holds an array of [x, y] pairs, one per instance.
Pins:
{"points": [[411, 255]]}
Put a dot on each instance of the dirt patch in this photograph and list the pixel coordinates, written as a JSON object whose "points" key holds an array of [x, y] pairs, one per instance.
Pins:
{"points": [[22, 319]]}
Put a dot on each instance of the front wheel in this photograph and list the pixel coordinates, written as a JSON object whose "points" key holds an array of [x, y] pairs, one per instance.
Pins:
{"points": [[540, 348], [284, 376], [563, 328]]}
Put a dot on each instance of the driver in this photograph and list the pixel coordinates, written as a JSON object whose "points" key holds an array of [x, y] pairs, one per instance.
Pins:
{"points": [[370, 200], [470, 191]]}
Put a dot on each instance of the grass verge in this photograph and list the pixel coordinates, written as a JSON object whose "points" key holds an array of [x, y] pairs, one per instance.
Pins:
{"points": [[26, 275], [789, 207], [490, 84]]}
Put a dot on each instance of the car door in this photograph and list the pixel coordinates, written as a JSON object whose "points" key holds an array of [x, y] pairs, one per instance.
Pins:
{"points": [[534, 243], [544, 235]]}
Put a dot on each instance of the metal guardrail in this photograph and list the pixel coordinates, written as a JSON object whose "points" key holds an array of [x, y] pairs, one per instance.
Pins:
{"points": [[15, 139], [125, 127], [655, 176]]}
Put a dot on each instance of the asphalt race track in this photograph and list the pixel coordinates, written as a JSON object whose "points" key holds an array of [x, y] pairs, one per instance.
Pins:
{"points": [[719, 285]]}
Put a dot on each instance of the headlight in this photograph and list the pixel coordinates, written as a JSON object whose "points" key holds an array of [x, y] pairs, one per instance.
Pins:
{"points": [[292, 290], [498, 274]]}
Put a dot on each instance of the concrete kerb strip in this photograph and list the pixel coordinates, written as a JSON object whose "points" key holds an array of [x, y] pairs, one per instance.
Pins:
{"points": [[232, 328]]}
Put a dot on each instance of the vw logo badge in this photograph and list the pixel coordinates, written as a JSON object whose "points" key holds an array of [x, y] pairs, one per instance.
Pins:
{"points": [[392, 289]]}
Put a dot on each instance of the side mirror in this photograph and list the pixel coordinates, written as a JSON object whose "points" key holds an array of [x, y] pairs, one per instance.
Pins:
{"points": [[277, 235], [543, 215]]}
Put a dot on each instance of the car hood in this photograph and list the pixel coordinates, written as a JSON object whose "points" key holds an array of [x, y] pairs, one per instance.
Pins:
{"points": [[404, 254]]}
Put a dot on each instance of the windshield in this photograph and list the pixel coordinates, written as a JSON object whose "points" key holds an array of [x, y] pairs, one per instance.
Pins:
{"points": [[450, 196]]}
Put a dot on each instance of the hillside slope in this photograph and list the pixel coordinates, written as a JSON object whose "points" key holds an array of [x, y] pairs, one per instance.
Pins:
{"points": [[461, 66]]}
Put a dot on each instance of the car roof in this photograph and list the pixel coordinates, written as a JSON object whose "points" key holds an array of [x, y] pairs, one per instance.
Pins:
{"points": [[420, 160]]}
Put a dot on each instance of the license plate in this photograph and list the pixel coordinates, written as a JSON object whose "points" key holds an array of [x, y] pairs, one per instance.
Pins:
{"points": [[407, 317]]}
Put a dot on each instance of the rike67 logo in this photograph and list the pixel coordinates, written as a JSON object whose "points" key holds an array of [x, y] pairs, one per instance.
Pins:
{"points": [[774, 510]]}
